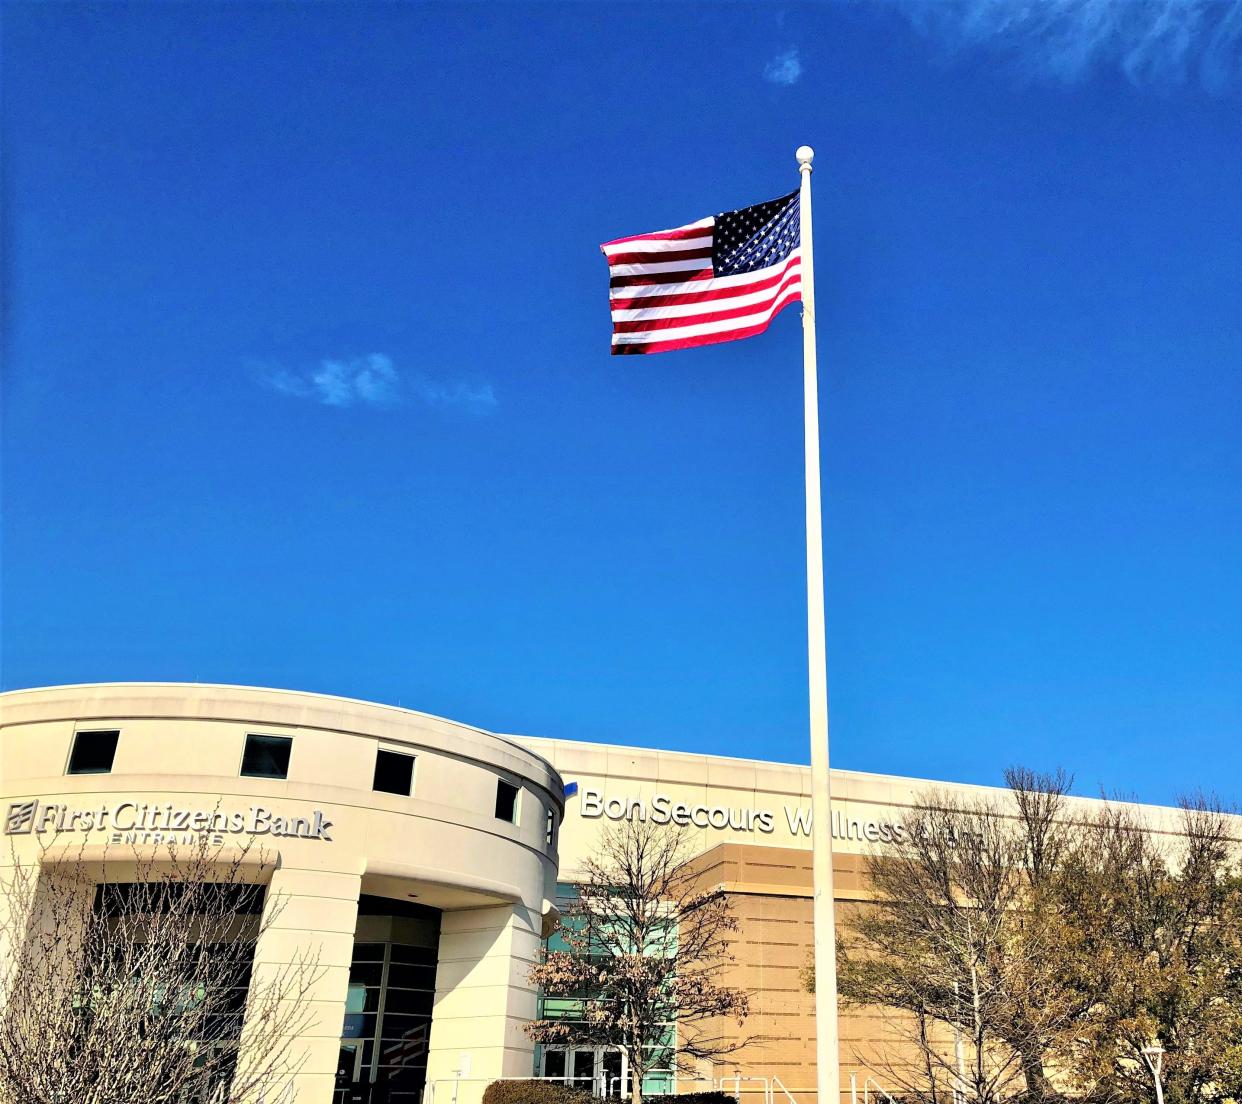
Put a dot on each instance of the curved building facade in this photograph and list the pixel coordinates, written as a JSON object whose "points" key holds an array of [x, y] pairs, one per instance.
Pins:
{"points": [[414, 859]]}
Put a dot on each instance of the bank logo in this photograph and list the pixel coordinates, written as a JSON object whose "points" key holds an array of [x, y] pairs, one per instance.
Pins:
{"points": [[20, 818], [571, 788], [148, 822]]}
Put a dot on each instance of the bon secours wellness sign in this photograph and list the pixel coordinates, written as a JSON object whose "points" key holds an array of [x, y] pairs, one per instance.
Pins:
{"points": [[665, 809]]}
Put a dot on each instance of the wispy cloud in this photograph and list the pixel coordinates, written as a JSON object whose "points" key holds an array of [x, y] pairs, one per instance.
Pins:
{"points": [[374, 381], [476, 396], [784, 69], [1150, 41]]}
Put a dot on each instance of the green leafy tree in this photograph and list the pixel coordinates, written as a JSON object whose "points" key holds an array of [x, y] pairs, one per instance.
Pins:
{"points": [[1156, 940]]}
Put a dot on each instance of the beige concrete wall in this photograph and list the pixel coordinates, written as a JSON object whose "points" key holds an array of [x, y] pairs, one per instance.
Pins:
{"points": [[181, 747], [483, 998], [783, 790]]}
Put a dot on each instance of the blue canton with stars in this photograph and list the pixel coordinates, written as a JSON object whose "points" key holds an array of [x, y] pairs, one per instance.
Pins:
{"points": [[755, 237]]}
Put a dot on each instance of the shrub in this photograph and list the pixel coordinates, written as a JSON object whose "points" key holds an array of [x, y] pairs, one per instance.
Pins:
{"points": [[535, 1092], [550, 1092]]}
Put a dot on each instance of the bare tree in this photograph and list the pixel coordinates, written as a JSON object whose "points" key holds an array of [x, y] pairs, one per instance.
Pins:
{"points": [[647, 942], [1035, 954], [130, 979]]}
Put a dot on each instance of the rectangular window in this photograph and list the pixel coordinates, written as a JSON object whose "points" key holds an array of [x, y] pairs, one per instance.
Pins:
{"points": [[93, 752], [506, 801], [549, 834], [394, 772], [266, 756]]}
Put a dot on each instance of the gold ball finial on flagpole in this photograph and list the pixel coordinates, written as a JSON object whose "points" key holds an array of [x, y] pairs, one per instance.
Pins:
{"points": [[805, 155]]}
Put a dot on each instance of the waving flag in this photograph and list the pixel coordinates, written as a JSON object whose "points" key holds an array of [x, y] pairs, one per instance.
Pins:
{"points": [[718, 279]]}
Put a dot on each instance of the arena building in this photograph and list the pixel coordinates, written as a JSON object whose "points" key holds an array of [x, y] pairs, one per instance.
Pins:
{"points": [[419, 860]]}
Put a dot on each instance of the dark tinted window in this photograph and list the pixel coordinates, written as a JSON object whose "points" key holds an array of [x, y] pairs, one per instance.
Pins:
{"points": [[393, 773], [414, 956], [359, 1027], [408, 1001], [367, 973], [126, 898], [266, 756], [93, 752], [403, 976], [506, 801]]}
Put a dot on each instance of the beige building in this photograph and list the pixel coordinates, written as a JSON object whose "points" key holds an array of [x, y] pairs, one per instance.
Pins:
{"points": [[444, 885], [419, 859], [751, 824]]}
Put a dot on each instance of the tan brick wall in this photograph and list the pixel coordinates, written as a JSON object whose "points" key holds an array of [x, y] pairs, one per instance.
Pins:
{"points": [[770, 892]]}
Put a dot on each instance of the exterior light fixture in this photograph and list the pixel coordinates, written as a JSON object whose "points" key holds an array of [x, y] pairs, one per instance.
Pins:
{"points": [[1154, 1057]]}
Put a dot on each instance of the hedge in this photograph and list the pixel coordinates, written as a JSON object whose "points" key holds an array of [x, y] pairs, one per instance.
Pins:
{"points": [[534, 1092], [552, 1092]]}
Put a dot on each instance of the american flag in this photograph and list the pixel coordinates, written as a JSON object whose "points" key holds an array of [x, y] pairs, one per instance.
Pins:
{"points": [[718, 279]]}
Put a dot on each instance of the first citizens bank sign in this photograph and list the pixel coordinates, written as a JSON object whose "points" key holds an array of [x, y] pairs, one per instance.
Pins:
{"points": [[147, 822]]}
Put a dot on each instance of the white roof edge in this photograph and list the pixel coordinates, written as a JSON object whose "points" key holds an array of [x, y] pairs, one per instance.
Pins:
{"points": [[364, 702], [905, 781], [779, 765]]}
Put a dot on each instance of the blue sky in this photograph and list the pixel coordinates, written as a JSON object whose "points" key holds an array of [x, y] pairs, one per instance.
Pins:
{"points": [[306, 374]]}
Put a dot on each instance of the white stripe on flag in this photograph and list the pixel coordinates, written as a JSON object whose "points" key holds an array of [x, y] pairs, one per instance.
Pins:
{"points": [[714, 283], [690, 264], [653, 241]]}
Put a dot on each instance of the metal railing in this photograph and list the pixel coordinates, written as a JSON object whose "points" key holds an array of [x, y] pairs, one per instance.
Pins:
{"points": [[737, 1081], [620, 1083], [601, 1085], [868, 1084], [616, 1086], [777, 1083]]}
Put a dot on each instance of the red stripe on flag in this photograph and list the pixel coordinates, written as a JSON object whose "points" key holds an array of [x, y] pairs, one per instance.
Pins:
{"points": [[679, 276], [642, 325], [672, 299], [664, 235], [690, 342], [659, 256]]}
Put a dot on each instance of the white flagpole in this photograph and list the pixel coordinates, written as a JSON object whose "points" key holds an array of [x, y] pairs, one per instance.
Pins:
{"points": [[828, 1073]]}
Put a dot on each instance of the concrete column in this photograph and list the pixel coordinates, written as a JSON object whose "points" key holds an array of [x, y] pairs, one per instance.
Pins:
{"points": [[42, 919], [309, 914], [483, 1000]]}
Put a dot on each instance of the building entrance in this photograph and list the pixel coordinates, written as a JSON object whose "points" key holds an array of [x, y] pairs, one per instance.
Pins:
{"points": [[600, 1070], [392, 984]]}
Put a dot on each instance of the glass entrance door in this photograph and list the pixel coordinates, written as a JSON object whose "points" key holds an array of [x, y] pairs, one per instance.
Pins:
{"points": [[612, 1063], [582, 1066], [598, 1070], [347, 1089]]}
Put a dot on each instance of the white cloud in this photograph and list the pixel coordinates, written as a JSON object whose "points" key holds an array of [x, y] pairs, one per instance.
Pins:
{"points": [[478, 396], [1150, 41], [784, 69], [374, 381]]}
